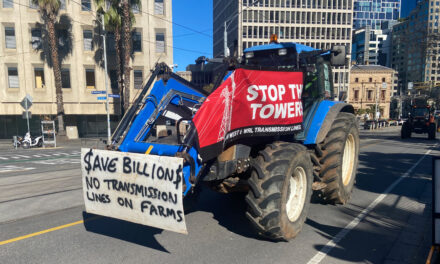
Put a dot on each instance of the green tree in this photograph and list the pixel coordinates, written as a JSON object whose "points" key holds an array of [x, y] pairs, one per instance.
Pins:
{"points": [[113, 23], [127, 24], [49, 12]]}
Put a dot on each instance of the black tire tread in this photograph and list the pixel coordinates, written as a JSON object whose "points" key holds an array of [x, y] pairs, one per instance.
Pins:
{"points": [[265, 183], [331, 158]]}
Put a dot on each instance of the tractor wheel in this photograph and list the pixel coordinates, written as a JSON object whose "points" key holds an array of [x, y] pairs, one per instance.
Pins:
{"points": [[338, 156], [406, 131], [432, 131], [280, 190]]}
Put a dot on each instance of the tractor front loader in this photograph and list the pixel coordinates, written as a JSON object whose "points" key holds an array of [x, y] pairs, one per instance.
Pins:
{"points": [[265, 123]]}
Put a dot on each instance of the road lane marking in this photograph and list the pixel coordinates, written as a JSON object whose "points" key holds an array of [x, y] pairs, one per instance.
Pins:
{"points": [[3, 158], [40, 232], [333, 243]]}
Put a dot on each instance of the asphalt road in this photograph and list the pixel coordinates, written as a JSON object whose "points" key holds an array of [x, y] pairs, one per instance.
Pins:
{"points": [[43, 193]]}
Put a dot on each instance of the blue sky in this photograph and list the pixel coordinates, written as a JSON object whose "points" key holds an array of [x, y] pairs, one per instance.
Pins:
{"points": [[189, 45]]}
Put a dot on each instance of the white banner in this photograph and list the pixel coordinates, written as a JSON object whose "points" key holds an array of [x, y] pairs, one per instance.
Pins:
{"points": [[143, 189]]}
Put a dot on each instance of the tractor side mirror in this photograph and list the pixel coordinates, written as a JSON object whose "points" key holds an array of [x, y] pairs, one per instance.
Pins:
{"points": [[338, 54]]}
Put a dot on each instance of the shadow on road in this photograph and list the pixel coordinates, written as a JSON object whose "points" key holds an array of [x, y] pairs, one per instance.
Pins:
{"points": [[123, 230]]}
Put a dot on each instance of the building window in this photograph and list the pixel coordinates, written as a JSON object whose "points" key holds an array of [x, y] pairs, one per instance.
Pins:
{"points": [[33, 5], [63, 5], [137, 41], [160, 42], [382, 95], [10, 38], [370, 80], [39, 78], [86, 5], [8, 4], [370, 95], [356, 95], [356, 79], [13, 77], [88, 40], [36, 38], [383, 79], [158, 7], [90, 78], [135, 9], [138, 79], [65, 78]]}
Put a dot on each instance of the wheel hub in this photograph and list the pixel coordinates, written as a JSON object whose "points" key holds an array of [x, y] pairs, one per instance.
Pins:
{"points": [[348, 159], [297, 194]]}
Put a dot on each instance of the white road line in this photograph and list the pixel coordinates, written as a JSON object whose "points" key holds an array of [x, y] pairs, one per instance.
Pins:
{"points": [[36, 156], [23, 156], [333, 243], [56, 154], [3, 158], [45, 155]]}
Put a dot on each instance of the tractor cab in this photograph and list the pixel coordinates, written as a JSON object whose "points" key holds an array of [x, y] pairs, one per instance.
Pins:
{"points": [[314, 64]]}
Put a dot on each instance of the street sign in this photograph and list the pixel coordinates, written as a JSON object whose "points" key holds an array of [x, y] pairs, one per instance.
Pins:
{"points": [[114, 95], [98, 92], [410, 85], [384, 85], [26, 103], [27, 114], [101, 97]]}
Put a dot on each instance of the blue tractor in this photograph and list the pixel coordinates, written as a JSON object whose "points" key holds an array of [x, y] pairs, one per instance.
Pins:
{"points": [[279, 169]]}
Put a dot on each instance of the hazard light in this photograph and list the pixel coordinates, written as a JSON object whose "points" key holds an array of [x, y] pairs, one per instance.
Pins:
{"points": [[273, 38]]}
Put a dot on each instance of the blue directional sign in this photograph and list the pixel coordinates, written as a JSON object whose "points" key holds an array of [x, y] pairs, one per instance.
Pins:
{"points": [[114, 95], [98, 92], [102, 97]]}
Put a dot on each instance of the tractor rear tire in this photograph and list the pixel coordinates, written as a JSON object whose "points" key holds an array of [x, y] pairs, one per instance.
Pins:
{"points": [[338, 157], [406, 131], [432, 131], [280, 190]]}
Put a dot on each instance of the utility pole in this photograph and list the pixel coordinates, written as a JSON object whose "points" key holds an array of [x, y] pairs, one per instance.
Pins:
{"points": [[375, 113], [109, 134]]}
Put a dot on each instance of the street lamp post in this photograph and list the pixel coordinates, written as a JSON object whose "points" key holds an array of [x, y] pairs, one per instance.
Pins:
{"points": [[375, 113], [109, 134]]}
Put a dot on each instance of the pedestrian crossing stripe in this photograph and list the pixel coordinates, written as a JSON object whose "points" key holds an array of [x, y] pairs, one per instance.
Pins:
{"points": [[40, 155]]}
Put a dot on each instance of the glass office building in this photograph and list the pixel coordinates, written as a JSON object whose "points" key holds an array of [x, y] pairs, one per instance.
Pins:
{"points": [[374, 12]]}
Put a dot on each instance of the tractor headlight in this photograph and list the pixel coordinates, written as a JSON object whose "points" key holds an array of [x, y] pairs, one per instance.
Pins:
{"points": [[282, 52], [249, 55]]}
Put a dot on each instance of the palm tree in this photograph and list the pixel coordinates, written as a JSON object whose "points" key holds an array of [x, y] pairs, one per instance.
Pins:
{"points": [[49, 12], [127, 23], [113, 23]]}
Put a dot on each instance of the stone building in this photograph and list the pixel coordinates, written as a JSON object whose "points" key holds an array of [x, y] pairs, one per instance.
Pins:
{"points": [[319, 24], [23, 69], [371, 84]]}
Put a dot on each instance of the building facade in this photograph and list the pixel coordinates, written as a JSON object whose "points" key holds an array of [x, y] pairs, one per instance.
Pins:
{"points": [[371, 84], [24, 68], [415, 46], [373, 46], [374, 13], [319, 24]]}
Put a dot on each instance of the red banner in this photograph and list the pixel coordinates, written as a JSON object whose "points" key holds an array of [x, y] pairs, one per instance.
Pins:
{"points": [[249, 103]]}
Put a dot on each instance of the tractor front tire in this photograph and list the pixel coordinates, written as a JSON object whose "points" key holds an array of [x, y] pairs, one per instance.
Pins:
{"points": [[280, 190], [338, 156], [406, 131], [432, 131]]}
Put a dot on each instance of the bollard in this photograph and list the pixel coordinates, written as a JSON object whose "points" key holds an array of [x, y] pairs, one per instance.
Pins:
{"points": [[14, 138]]}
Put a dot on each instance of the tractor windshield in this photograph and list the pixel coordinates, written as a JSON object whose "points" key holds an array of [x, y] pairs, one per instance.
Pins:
{"points": [[420, 112], [284, 58]]}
